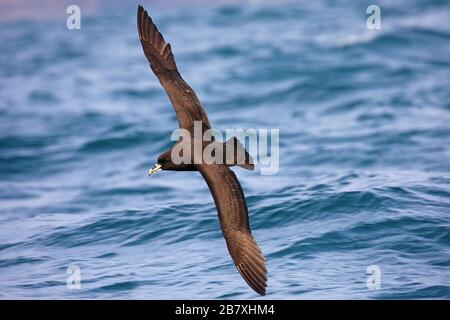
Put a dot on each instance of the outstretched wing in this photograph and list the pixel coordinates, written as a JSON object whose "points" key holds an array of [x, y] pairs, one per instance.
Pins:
{"points": [[159, 54], [233, 215]]}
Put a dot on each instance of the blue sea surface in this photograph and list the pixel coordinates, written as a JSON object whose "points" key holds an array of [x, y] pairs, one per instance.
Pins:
{"points": [[364, 176]]}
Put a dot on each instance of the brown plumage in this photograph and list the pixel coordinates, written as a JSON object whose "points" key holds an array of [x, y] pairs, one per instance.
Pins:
{"points": [[222, 182], [159, 54], [233, 215]]}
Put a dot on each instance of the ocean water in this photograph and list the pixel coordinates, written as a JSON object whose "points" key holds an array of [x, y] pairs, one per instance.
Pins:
{"points": [[364, 176]]}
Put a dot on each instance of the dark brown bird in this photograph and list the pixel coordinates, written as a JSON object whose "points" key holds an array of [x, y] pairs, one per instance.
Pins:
{"points": [[222, 182]]}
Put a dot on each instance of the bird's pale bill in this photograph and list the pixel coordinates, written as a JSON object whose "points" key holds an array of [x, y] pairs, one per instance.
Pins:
{"points": [[157, 167]]}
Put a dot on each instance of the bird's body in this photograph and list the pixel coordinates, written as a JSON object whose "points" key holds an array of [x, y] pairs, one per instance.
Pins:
{"points": [[222, 182]]}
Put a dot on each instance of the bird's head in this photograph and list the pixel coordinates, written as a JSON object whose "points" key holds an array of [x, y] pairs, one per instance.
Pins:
{"points": [[164, 162]]}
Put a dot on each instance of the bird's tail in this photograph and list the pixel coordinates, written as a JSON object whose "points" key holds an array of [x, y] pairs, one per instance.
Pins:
{"points": [[239, 155]]}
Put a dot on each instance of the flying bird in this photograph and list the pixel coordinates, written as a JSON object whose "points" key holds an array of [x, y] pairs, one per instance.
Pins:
{"points": [[221, 180]]}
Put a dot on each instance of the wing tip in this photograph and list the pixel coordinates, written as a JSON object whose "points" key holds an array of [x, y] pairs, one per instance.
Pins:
{"points": [[153, 42], [258, 284]]}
